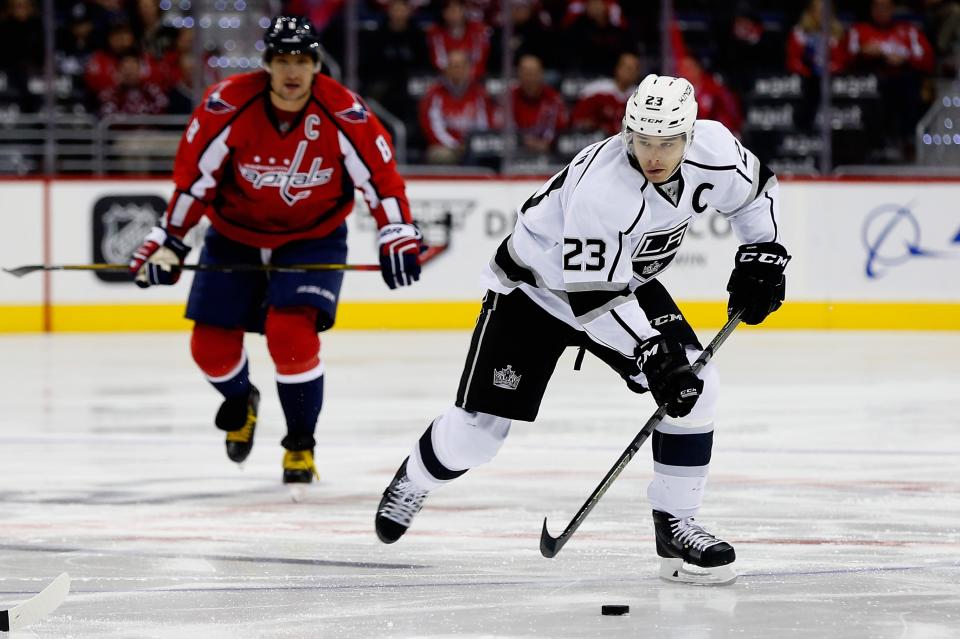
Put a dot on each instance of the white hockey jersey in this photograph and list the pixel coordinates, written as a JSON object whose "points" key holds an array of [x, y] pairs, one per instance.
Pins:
{"points": [[599, 229]]}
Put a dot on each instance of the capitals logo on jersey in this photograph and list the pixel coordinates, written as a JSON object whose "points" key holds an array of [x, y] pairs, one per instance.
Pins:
{"points": [[356, 113], [294, 184]]}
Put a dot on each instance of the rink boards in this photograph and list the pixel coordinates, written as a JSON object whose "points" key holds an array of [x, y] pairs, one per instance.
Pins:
{"points": [[867, 254]]}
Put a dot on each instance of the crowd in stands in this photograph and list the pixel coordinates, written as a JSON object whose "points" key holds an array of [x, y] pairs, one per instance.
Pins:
{"points": [[436, 64]]}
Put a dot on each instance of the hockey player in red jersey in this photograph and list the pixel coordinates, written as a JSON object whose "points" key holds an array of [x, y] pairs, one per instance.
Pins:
{"points": [[272, 158]]}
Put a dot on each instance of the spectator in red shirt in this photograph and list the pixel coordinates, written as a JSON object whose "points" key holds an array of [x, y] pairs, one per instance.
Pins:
{"points": [[132, 95], [901, 56], [887, 46], [803, 47], [458, 33], [714, 100], [102, 67], [602, 103], [576, 8], [538, 109], [453, 108]]}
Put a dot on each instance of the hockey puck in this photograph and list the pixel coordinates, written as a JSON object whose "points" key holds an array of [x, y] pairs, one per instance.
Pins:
{"points": [[614, 610]]}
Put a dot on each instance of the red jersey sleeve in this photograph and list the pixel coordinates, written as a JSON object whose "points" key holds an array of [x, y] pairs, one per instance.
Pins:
{"points": [[204, 150], [795, 50], [368, 153]]}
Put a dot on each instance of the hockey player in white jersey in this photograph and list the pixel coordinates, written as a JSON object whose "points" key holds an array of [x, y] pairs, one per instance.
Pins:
{"points": [[580, 269]]}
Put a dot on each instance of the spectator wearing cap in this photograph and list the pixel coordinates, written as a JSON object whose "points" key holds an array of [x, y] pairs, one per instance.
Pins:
{"points": [[452, 109], [538, 109], [456, 33], [602, 102]]}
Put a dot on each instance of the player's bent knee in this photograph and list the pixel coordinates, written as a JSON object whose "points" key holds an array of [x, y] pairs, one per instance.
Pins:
{"points": [[292, 339], [217, 351], [464, 439]]}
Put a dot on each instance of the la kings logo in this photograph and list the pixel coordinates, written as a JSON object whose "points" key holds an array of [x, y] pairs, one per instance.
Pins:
{"points": [[656, 250], [294, 184], [506, 378]]}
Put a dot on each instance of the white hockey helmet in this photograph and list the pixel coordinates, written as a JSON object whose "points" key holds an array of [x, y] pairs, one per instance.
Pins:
{"points": [[662, 106]]}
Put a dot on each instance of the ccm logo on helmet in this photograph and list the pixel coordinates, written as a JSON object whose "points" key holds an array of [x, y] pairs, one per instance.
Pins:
{"points": [[651, 120], [765, 258]]}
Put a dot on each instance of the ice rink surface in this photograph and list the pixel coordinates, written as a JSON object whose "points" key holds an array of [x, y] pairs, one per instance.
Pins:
{"points": [[835, 475]]}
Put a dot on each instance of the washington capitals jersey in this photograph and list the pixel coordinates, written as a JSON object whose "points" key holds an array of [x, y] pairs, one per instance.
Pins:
{"points": [[264, 181], [599, 229]]}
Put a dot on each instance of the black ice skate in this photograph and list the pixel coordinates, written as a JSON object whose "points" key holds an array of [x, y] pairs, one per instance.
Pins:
{"points": [[401, 501], [690, 554], [238, 416]]}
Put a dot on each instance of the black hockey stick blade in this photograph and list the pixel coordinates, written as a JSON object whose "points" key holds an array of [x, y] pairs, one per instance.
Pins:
{"points": [[20, 271], [549, 545], [37, 607]]}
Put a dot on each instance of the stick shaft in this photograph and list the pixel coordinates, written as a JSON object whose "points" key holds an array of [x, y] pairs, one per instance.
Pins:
{"points": [[219, 268], [550, 546]]}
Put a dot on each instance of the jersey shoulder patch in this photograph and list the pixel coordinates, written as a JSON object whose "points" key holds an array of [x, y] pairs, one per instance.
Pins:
{"points": [[340, 101], [227, 96]]}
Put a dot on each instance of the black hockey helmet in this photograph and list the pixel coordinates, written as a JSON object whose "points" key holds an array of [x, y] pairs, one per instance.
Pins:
{"points": [[291, 34]]}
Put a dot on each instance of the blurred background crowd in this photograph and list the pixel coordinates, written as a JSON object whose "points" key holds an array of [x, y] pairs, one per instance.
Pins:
{"points": [[497, 85]]}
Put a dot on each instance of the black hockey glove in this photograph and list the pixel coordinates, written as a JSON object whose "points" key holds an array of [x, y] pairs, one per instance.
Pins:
{"points": [[757, 284], [672, 381]]}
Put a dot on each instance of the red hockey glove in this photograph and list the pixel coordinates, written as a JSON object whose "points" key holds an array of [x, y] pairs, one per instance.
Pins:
{"points": [[158, 260], [400, 248]]}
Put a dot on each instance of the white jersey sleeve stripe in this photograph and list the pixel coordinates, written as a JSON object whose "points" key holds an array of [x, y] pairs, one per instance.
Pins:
{"points": [[179, 214], [210, 162], [358, 171], [392, 209]]}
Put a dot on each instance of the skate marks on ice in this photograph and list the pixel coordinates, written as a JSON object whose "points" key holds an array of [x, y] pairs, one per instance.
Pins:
{"points": [[845, 521]]}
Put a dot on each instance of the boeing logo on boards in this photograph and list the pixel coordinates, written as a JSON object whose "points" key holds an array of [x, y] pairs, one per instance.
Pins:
{"points": [[891, 237], [288, 178]]}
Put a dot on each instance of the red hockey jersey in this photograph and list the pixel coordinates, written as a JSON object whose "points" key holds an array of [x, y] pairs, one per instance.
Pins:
{"points": [[897, 39], [264, 183]]}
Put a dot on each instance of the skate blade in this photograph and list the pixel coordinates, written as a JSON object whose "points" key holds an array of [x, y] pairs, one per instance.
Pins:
{"points": [[678, 571], [298, 492]]}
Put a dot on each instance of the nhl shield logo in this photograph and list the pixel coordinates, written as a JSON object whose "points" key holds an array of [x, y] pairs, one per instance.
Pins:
{"points": [[506, 378]]}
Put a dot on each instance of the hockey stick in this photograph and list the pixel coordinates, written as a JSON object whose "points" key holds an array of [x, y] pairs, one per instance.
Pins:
{"points": [[20, 271], [550, 546], [37, 607]]}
